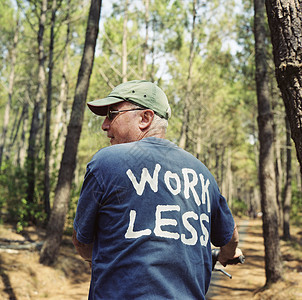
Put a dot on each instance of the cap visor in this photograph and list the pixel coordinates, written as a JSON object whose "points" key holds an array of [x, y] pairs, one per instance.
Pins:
{"points": [[100, 106]]}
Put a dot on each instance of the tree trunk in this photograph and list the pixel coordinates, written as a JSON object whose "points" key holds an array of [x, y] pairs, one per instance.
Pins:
{"points": [[36, 118], [10, 91], [55, 228], [21, 153], [147, 2], [285, 22], [198, 142], [48, 113], [217, 158], [273, 266], [185, 121], [14, 133], [222, 171], [278, 172], [59, 130], [152, 50], [299, 180], [124, 44], [288, 185], [229, 178]]}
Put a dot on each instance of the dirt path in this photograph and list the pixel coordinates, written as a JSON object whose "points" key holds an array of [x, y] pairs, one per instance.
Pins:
{"points": [[22, 277], [248, 279], [217, 279]]}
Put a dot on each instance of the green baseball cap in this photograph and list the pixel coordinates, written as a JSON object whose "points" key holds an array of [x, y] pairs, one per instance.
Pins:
{"points": [[141, 92]]}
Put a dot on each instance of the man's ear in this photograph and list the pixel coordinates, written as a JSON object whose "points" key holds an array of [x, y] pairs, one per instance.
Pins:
{"points": [[146, 119]]}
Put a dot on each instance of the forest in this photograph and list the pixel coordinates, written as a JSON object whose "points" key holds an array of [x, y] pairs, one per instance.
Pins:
{"points": [[203, 54]]}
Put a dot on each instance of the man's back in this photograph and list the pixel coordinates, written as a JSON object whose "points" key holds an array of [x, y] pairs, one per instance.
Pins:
{"points": [[151, 210]]}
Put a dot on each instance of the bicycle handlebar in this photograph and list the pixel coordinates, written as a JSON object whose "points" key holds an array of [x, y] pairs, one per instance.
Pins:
{"points": [[234, 261]]}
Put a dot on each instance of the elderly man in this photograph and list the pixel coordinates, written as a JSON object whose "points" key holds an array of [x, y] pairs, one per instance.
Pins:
{"points": [[148, 210]]}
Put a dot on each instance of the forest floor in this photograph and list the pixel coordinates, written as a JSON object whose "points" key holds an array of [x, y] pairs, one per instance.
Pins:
{"points": [[23, 277], [248, 280]]}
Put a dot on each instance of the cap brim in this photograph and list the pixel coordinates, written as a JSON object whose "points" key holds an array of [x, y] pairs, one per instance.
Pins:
{"points": [[100, 106]]}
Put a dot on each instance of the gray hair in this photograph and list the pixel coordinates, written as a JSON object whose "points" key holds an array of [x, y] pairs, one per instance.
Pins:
{"points": [[158, 125]]}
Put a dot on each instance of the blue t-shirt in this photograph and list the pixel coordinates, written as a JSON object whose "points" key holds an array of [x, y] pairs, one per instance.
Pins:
{"points": [[152, 210]]}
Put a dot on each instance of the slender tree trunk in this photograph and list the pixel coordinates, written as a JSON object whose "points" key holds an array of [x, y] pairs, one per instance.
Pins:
{"points": [[24, 130], [124, 44], [229, 177], [10, 91], [222, 170], [278, 172], [36, 118], [55, 228], [273, 266], [48, 113], [217, 156], [21, 152], [147, 2], [59, 130], [288, 185], [299, 181], [15, 130], [285, 22], [152, 50], [230, 185], [186, 115], [198, 142]]}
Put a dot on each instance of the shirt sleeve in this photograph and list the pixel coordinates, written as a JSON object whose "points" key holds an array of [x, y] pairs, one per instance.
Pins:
{"points": [[87, 209], [222, 224]]}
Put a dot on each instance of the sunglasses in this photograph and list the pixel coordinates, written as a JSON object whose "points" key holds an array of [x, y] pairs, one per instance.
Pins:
{"points": [[111, 114]]}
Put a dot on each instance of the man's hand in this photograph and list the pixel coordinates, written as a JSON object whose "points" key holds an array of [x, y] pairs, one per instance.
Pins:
{"points": [[85, 250], [230, 250], [222, 258]]}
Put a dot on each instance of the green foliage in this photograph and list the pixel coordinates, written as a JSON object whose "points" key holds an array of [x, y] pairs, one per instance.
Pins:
{"points": [[75, 193], [23, 212], [296, 203], [239, 208], [13, 186], [7, 26]]}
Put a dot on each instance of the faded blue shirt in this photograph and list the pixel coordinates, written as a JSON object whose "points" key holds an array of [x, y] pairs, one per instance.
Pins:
{"points": [[152, 211]]}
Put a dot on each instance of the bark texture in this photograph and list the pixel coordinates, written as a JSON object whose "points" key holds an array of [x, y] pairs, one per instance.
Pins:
{"points": [[36, 117], [124, 44], [48, 113], [60, 124], [273, 266], [147, 21], [285, 22], [10, 91], [288, 186], [55, 228]]}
